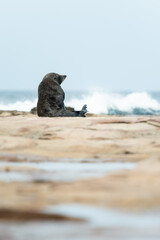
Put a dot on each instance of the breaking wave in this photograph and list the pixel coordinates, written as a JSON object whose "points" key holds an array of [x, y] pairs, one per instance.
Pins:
{"points": [[136, 103], [25, 106]]}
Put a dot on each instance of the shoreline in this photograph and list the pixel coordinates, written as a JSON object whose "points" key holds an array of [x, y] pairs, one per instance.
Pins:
{"points": [[88, 114]]}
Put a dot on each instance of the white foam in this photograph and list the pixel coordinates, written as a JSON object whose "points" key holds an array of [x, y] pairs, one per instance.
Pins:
{"points": [[25, 106], [99, 102]]}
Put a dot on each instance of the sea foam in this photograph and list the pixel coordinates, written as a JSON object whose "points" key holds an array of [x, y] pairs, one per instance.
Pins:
{"points": [[111, 103], [100, 103], [25, 106]]}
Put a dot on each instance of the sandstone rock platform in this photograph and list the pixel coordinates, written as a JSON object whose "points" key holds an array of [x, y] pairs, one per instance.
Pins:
{"points": [[113, 162]]}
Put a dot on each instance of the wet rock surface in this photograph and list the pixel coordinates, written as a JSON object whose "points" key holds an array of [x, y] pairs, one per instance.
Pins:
{"points": [[55, 169]]}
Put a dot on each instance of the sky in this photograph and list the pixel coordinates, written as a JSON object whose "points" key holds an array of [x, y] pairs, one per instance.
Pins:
{"points": [[111, 45]]}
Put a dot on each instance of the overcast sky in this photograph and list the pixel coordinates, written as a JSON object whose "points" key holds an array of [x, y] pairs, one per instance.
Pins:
{"points": [[105, 44]]}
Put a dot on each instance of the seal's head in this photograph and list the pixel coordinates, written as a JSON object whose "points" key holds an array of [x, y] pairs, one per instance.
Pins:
{"points": [[55, 77]]}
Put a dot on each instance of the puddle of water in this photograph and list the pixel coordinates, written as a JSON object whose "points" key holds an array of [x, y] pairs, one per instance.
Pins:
{"points": [[60, 171], [101, 224], [100, 217], [14, 176]]}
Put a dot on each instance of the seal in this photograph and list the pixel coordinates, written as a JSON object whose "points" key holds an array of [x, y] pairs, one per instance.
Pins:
{"points": [[51, 98]]}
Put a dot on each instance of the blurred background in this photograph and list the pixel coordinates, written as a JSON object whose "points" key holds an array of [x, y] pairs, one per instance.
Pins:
{"points": [[102, 46]]}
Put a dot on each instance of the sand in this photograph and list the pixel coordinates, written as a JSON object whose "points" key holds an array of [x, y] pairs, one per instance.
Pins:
{"points": [[75, 146]]}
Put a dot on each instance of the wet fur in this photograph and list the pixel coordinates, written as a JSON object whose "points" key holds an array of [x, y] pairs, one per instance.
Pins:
{"points": [[51, 98]]}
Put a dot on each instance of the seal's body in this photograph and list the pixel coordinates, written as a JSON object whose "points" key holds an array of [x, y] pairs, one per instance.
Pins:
{"points": [[51, 98]]}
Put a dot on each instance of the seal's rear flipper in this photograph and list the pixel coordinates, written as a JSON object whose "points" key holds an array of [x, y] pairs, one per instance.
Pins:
{"points": [[84, 108]]}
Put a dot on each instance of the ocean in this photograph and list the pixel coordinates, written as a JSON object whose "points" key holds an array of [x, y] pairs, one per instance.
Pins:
{"points": [[98, 102]]}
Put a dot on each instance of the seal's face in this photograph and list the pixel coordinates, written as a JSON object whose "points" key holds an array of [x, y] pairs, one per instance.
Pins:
{"points": [[56, 77]]}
